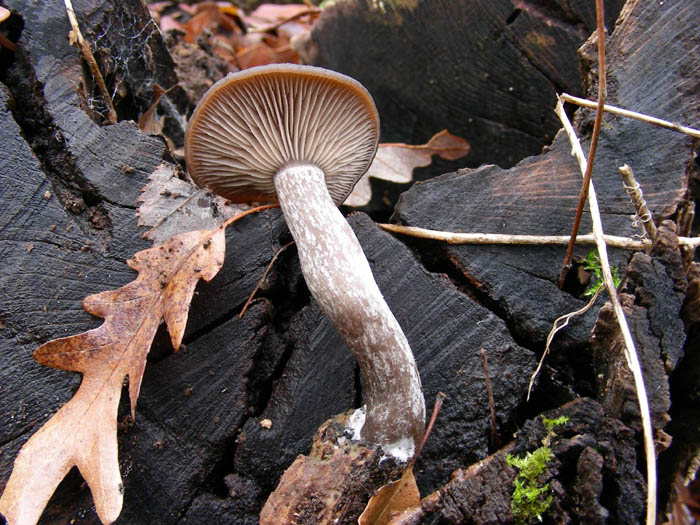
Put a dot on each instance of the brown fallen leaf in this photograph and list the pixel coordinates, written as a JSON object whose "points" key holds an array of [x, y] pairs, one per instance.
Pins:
{"points": [[271, 17], [208, 17], [391, 498], [262, 37], [685, 509], [147, 121], [269, 50], [83, 432], [397, 496], [395, 162]]}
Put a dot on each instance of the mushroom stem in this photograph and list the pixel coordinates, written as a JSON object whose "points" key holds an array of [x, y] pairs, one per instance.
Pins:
{"points": [[339, 277]]}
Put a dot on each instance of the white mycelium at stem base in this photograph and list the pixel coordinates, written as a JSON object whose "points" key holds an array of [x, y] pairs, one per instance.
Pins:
{"points": [[339, 277]]}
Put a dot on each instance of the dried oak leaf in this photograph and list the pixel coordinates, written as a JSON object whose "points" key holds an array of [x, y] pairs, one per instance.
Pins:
{"points": [[392, 498], [83, 432], [396, 162], [170, 206]]}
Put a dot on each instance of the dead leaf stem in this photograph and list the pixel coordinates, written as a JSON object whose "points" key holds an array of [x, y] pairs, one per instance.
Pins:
{"points": [[312, 10], [439, 398], [77, 36], [262, 279], [4, 41], [556, 327], [602, 93]]}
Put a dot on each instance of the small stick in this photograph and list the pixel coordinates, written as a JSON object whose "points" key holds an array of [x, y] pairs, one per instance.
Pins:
{"points": [[439, 398], [77, 36], [262, 279], [530, 240], [634, 190], [630, 351], [632, 114], [235, 218], [602, 93], [495, 440]]}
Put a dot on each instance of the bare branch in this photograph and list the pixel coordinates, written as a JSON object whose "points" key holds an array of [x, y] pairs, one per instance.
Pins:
{"points": [[532, 240], [632, 114]]}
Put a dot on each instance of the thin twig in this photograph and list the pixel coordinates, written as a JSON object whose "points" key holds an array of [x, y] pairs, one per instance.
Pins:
{"points": [[495, 440], [84, 47], [630, 351], [556, 327], [632, 114], [439, 398], [602, 93], [262, 279], [634, 190], [507, 239], [235, 218]]}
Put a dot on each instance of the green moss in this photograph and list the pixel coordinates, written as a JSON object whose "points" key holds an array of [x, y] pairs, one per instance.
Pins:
{"points": [[549, 424], [592, 264], [530, 501]]}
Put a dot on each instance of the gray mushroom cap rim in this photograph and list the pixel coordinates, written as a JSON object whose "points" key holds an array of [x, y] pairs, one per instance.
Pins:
{"points": [[252, 123]]}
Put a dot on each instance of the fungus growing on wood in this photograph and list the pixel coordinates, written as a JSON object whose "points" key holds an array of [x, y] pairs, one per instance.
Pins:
{"points": [[303, 136]]}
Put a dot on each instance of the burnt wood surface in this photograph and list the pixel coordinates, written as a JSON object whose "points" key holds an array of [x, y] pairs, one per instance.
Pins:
{"points": [[196, 450], [487, 71], [590, 447]]}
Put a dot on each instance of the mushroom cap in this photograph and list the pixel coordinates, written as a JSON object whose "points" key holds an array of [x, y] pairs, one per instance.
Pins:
{"points": [[251, 124]]}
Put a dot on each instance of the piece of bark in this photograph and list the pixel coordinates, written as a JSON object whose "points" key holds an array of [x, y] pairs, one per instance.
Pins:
{"points": [[652, 304], [197, 67], [333, 482], [486, 70], [588, 487], [129, 51]]}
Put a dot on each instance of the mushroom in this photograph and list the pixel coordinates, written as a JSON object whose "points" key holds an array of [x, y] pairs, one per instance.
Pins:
{"points": [[303, 136]]}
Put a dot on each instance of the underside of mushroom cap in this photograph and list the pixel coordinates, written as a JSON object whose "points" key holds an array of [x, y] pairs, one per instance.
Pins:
{"points": [[253, 123]]}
